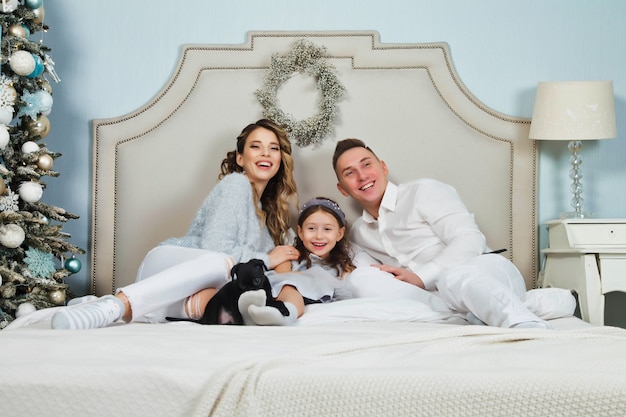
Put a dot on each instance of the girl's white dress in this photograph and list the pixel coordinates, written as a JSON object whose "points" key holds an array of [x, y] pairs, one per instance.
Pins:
{"points": [[319, 283]]}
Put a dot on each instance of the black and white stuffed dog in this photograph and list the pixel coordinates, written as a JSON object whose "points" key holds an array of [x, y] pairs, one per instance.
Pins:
{"points": [[223, 307]]}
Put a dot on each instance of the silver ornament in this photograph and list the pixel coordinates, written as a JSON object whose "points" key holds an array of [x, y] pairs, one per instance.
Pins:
{"points": [[57, 297]]}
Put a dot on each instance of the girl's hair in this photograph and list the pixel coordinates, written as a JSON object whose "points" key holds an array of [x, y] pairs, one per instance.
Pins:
{"points": [[340, 257], [280, 191]]}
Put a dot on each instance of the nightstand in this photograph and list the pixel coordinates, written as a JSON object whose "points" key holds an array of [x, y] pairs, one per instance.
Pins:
{"points": [[588, 256]]}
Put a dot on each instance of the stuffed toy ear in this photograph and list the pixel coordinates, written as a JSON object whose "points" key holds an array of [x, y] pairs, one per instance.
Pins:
{"points": [[234, 270], [259, 263]]}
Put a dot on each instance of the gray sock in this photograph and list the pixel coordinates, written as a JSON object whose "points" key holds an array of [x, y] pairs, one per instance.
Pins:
{"points": [[90, 315]]}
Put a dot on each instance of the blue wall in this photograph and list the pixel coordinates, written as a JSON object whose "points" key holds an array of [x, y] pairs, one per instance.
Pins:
{"points": [[114, 56]]}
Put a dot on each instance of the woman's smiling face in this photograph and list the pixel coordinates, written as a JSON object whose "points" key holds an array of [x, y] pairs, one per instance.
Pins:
{"points": [[260, 158]]}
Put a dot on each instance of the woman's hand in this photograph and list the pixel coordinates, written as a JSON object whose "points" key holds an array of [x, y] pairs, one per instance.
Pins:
{"points": [[281, 254]]}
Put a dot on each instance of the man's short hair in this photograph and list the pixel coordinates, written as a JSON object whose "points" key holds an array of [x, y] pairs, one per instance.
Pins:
{"points": [[347, 144]]}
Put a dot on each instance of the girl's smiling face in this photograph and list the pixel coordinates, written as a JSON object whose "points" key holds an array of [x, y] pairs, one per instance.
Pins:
{"points": [[320, 232]]}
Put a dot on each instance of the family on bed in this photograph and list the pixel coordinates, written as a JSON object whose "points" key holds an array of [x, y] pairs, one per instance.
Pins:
{"points": [[414, 240]]}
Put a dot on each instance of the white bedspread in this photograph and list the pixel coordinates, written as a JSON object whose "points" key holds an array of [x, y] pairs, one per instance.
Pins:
{"points": [[445, 371], [326, 368]]}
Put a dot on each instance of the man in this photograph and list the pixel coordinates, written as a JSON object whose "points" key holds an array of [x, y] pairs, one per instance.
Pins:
{"points": [[422, 233]]}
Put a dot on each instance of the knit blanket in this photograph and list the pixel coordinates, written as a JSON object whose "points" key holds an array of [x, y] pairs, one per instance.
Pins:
{"points": [[377, 368], [447, 371]]}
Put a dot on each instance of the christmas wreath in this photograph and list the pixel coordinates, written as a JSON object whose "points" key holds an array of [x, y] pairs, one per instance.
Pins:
{"points": [[304, 58]]}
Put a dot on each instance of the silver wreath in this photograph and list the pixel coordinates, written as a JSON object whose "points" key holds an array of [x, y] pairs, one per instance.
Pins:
{"points": [[305, 58]]}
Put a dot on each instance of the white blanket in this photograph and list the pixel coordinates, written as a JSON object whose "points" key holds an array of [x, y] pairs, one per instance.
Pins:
{"points": [[323, 366], [445, 371]]}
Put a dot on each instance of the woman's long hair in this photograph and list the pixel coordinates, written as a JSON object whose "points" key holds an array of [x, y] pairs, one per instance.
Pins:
{"points": [[280, 192]]}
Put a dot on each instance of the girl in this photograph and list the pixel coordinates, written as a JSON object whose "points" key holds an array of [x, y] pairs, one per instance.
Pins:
{"points": [[325, 259], [245, 216]]}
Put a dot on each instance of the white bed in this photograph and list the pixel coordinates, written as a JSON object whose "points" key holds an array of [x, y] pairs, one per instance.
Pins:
{"points": [[153, 167]]}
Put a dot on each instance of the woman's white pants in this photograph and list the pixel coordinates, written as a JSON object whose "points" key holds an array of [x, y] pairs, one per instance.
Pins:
{"points": [[168, 275]]}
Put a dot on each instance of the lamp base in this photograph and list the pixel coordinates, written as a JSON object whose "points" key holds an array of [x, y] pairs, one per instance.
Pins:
{"points": [[579, 215]]}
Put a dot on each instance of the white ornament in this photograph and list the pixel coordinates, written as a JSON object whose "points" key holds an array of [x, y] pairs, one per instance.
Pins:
{"points": [[24, 309], [31, 191], [11, 235], [8, 6], [4, 136], [6, 114], [44, 100], [30, 147], [22, 62]]}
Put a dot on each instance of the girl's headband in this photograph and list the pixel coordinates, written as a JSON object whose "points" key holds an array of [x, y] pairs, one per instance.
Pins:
{"points": [[334, 207]]}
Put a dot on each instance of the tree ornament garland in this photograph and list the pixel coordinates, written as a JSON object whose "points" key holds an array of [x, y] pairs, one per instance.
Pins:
{"points": [[305, 58], [33, 245]]}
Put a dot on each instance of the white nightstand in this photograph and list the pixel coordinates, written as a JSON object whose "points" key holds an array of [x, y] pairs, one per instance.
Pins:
{"points": [[588, 256]]}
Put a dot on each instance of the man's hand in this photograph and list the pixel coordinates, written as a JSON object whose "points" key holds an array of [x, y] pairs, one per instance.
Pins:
{"points": [[402, 274]]}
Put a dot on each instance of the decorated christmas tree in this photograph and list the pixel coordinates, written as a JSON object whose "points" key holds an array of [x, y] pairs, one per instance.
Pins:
{"points": [[35, 255]]}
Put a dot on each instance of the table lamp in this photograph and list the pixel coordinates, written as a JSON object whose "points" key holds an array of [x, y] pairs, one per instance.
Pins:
{"points": [[574, 111]]}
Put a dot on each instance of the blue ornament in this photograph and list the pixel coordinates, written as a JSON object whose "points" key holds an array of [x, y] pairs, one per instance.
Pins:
{"points": [[33, 4], [38, 67], [73, 265], [30, 108], [40, 263], [34, 103]]}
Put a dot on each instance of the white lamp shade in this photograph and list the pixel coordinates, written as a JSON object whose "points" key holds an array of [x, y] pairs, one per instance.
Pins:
{"points": [[574, 110]]}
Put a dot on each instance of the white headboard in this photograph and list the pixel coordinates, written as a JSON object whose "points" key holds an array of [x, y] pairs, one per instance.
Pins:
{"points": [[153, 167]]}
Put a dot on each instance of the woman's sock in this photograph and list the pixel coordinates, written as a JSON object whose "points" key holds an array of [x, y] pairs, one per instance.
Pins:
{"points": [[271, 316], [90, 315], [83, 299], [247, 299]]}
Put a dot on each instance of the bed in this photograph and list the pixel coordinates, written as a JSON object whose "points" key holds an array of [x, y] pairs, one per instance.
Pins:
{"points": [[372, 356]]}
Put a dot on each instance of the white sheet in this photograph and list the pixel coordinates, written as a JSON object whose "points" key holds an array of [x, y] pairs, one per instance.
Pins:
{"points": [[400, 302]]}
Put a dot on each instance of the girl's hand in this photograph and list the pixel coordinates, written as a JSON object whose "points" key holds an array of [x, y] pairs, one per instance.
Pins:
{"points": [[284, 267], [281, 254]]}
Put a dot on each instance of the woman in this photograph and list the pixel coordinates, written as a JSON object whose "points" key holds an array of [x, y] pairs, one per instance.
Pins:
{"points": [[244, 217]]}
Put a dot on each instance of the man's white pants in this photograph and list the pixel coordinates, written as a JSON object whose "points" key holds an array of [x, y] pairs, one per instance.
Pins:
{"points": [[490, 287]]}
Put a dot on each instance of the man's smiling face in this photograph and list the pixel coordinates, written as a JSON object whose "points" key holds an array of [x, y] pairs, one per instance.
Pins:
{"points": [[362, 176]]}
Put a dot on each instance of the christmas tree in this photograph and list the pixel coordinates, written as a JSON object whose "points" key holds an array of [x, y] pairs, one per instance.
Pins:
{"points": [[35, 255]]}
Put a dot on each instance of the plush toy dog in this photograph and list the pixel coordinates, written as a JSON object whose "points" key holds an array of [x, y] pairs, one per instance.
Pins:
{"points": [[223, 307]]}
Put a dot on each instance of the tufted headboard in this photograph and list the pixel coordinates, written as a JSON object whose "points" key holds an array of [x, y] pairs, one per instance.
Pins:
{"points": [[153, 167]]}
